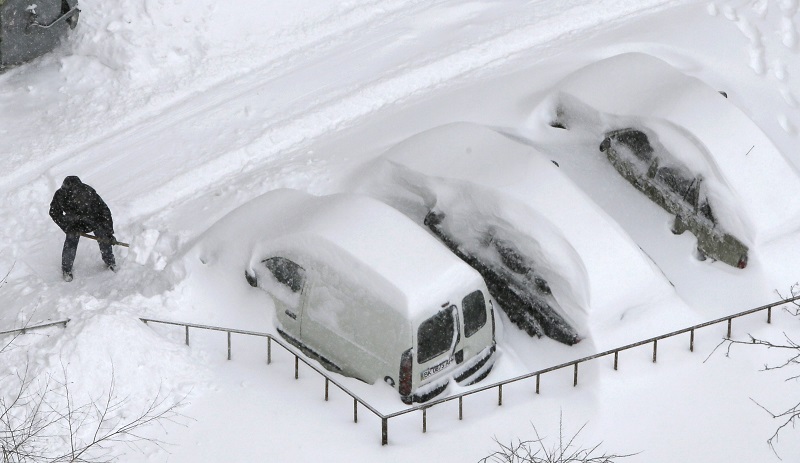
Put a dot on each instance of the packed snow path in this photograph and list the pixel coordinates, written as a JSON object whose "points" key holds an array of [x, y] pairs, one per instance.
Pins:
{"points": [[172, 152]]}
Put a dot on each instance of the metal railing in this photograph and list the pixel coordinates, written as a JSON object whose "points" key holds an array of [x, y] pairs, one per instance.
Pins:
{"points": [[298, 357], [497, 385], [384, 418], [25, 329]]}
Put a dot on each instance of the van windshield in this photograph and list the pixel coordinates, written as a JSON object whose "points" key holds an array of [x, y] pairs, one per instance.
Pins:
{"points": [[435, 335], [474, 306]]}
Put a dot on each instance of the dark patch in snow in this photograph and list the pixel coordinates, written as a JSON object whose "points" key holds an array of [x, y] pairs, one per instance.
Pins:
{"points": [[676, 189], [524, 296]]}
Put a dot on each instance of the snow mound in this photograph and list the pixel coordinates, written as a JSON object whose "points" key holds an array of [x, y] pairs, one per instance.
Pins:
{"points": [[752, 187], [488, 183], [136, 40]]}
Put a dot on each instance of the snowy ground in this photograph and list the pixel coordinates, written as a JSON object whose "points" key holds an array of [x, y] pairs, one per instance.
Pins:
{"points": [[178, 112]]}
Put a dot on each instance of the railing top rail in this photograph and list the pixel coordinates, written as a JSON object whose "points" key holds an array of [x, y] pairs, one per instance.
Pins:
{"points": [[209, 327], [34, 327]]}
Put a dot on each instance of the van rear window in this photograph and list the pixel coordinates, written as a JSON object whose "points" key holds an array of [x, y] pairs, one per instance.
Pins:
{"points": [[474, 306], [435, 335]]}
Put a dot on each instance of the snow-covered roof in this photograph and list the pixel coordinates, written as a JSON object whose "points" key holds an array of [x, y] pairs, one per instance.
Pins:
{"points": [[746, 173], [377, 246]]}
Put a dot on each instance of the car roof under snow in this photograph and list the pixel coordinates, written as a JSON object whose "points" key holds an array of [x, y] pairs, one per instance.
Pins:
{"points": [[380, 248]]}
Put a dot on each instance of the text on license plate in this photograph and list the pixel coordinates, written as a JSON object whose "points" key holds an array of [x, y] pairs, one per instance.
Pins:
{"points": [[436, 368]]}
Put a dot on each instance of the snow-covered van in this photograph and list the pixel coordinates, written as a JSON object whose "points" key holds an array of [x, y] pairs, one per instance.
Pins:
{"points": [[361, 288]]}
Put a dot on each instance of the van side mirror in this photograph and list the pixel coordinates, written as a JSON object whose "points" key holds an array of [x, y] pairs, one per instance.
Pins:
{"points": [[251, 278]]}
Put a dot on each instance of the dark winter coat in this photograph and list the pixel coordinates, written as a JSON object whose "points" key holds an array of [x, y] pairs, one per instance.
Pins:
{"points": [[77, 208]]}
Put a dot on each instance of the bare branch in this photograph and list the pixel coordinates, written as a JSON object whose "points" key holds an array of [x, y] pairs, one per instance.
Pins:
{"points": [[537, 451], [791, 416], [4, 280], [40, 414]]}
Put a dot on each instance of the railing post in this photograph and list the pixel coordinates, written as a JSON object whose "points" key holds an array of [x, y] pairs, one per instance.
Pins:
{"points": [[269, 351], [575, 379], [691, 340], [537, 383], [229, 345], [296, 367], [384, 431], [730, 322], [769, 315], [655, 350], [355, 411], [326, 389], [461, 408], [616, 360], [500, 395], [424, 420], [187, 335]]}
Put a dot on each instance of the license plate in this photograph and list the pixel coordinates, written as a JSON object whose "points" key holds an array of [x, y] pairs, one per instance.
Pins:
{"points": [[436, 368]]}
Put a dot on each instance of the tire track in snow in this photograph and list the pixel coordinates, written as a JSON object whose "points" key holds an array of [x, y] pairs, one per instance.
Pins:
{"points": [[342, 111], [328, 32]]}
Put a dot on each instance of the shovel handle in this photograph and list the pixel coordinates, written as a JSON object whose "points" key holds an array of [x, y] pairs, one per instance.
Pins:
{"points": [[116, 243]]}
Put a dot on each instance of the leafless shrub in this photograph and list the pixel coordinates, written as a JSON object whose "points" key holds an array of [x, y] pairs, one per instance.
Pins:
{"points": [[565, 450], [42, 421], [790, 416]]}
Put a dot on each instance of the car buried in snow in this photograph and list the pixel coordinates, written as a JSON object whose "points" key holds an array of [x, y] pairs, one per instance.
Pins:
{"points": [[369, 294], [673, 187], [510, 213], [683, 144], [30, 29], [523, 294]]}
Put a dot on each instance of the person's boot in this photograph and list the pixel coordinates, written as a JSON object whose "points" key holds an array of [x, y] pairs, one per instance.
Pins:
{"points": [[112, 267], [67, 276]]}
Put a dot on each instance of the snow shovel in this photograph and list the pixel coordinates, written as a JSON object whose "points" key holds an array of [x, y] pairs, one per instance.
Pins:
{"points": [[116, 243]]}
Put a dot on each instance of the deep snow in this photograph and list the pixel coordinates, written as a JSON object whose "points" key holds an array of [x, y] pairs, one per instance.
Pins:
{"points": [[178, 112]]}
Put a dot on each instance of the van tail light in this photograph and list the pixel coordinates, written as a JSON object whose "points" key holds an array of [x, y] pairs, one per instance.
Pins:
{"points": [[742, 262], [405, 377]]}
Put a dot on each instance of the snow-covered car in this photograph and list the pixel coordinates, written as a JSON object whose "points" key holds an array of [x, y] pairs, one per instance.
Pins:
{"points": [[674, 136], [512, 279], [676, 189], [549, 255], [30, 29], [371, 295]]}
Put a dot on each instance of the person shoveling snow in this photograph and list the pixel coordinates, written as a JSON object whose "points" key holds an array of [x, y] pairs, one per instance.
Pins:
{"points": [[78, 210]]}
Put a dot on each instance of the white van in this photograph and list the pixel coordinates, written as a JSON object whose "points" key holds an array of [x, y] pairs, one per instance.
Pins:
{"points": [[371, 295]]}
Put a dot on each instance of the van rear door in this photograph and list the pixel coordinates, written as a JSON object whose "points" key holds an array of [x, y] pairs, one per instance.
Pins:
{"points": [[477, 328], [437, 338]]}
